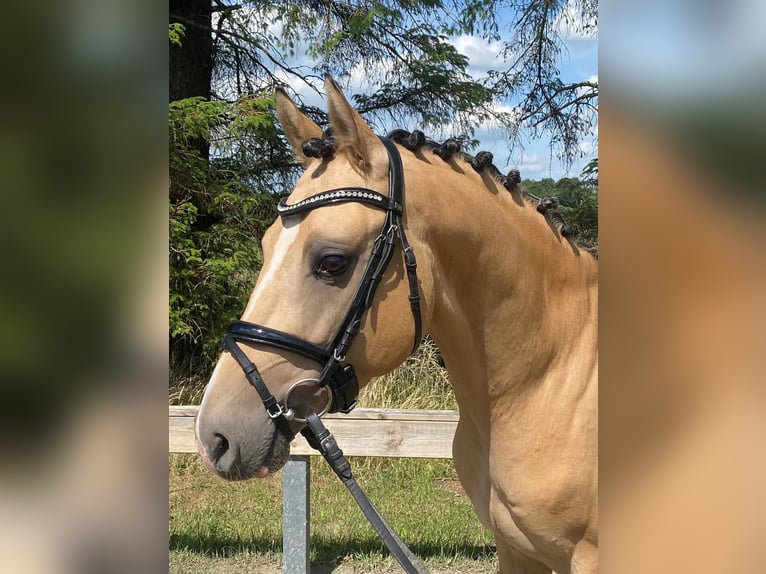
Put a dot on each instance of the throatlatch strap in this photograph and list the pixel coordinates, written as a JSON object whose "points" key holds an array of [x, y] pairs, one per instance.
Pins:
{"points": [[396, 193], [322, 440]]}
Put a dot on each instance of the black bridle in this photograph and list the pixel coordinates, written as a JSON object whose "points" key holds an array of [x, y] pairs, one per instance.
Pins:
{"points": [[340, 379], [335, 376]]}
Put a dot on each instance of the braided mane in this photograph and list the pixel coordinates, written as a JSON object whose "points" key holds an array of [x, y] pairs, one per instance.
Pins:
{"points": [[325, 147]]}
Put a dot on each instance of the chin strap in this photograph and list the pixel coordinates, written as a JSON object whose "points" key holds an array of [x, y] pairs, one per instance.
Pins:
{"points": [[321, 439]]}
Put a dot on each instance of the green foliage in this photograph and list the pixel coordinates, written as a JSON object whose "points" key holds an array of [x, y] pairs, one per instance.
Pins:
{"points": [[589, 174], [217, 216], [564, 111], [176, 31], [415, 74]]}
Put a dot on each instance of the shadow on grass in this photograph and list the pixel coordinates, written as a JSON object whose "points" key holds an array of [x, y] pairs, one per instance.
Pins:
{"points": [[326, 554]]}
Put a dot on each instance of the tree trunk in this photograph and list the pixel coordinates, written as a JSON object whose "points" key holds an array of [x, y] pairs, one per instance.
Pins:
{"points": [[191, 68], [191, 64]]}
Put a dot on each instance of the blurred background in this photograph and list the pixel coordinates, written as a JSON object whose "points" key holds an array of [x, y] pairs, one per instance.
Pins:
{"points": [[83, 148], [681, 287]]}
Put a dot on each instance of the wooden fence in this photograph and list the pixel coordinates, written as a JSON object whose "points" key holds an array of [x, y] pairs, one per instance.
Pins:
{"points": [[363, 432]]}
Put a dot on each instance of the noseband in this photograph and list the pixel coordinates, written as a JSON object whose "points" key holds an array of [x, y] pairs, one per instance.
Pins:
{"points": [[338, 378]]}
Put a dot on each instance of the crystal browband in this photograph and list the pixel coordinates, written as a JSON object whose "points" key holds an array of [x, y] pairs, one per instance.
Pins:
{"points": [[346, 194]]}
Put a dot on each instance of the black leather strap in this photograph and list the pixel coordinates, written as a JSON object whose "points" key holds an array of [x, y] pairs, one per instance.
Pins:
{"points": [[258, 334], [411, 265], [396, 193], [341, 379], [382, 251], [275, 410]]}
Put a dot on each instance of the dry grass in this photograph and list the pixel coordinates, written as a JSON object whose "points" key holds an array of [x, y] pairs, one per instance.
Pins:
{"points": [[420, 383], [185, 391]]}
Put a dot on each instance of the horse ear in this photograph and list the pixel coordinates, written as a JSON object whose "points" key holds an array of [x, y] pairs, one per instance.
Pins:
{"points": [[297, 127], [352, 134]]}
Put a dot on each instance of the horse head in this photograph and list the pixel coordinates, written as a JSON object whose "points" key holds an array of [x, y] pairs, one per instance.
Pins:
{"points": [[331, 267]]}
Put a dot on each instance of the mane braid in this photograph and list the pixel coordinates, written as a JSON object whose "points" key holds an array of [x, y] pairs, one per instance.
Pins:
{"points": [[448, 149], [483, 162], [411, 141], [557, 219], [326, 146], [319, 147], [547, 203]]}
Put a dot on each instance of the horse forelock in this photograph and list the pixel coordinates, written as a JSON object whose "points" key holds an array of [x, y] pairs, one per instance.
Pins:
{"points": [[325, 147]]}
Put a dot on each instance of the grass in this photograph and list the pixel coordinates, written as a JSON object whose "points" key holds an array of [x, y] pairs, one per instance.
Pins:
{"points": [[217, 526]]}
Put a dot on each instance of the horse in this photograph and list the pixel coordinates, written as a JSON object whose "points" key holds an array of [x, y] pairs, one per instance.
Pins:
{"points": [[501, 284]]}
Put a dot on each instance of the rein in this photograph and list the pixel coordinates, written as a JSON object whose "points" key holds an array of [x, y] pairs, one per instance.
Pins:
{"points": [[339, 380]]}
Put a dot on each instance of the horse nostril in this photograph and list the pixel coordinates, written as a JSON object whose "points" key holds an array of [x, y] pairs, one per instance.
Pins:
{"points": [[219, 445]]}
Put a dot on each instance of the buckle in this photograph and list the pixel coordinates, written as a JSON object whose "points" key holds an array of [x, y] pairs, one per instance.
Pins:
{"points": [[409, 258], [276, 414]]}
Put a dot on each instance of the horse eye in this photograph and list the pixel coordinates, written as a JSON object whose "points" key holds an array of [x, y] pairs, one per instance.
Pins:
{"points": [[332, 265]]}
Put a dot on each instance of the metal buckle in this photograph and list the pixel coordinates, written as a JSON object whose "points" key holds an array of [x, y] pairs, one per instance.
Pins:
{"points": [[279, 412]]}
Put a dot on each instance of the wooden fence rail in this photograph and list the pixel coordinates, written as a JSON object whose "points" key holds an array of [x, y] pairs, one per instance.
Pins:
{"points": [[363, 432]]}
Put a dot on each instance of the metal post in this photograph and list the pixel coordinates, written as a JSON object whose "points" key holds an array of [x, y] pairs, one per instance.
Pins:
{"points": [[296, 515]]}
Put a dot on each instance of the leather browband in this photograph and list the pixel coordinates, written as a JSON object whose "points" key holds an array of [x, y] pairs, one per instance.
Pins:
{"points": [[340, 195]]}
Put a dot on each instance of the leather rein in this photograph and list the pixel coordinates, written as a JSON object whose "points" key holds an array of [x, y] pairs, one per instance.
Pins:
{"points": [[337, 378]]}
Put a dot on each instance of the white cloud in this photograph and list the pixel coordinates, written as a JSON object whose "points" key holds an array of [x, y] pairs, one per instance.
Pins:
{"points": [[532, 170], [482, 54], [365, 77]]}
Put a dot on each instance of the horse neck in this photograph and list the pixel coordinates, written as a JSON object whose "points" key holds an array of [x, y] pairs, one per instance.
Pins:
{"points": [[515, 303]]}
